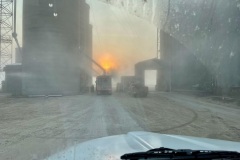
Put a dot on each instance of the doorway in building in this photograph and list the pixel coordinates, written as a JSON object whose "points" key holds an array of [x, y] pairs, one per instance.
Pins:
{"points": [[150, 79]]}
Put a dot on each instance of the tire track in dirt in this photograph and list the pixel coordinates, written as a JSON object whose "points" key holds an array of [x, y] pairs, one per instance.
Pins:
{"points": [[228, 129], [194, 118], [146, 102]]}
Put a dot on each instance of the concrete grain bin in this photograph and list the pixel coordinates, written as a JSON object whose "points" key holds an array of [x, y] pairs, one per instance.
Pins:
{"points": [[51, 55]]}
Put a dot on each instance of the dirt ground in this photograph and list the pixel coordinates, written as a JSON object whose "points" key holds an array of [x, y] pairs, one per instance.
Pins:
{"points": [[35, 128]]}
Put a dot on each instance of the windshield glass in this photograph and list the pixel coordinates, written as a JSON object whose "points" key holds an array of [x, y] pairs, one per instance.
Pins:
{"points": [[76, 70]]}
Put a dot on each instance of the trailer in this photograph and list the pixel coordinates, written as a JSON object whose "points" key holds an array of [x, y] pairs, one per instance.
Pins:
{"points": [[104, 84]]}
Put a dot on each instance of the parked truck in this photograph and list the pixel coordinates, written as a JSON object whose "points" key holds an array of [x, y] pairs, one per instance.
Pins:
{"points": [[126, 81], [138, 90], [132, 86]]}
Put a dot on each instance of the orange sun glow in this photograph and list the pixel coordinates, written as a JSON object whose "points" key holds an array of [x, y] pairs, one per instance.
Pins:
{"points": [[108, 62]]}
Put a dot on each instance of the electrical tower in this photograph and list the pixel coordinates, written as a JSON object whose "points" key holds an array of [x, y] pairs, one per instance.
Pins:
{"points": [[6, 30]]}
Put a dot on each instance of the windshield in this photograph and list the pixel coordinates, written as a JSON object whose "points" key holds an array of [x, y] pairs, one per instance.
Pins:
{"points": [[76, 70]]}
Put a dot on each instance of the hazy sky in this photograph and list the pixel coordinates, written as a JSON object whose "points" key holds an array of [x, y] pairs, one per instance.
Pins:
{"points": [[19, 20], [122, 38], [125, 38]]}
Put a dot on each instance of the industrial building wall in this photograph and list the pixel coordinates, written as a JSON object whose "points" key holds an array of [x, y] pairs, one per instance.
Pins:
{"points": [[89, 52], [13, 80], [184, 69], [18, 55], [51, 56]]}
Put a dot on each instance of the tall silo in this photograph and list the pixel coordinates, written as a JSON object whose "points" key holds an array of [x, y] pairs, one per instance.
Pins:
{"points": [[86, 68], [51, 55]]}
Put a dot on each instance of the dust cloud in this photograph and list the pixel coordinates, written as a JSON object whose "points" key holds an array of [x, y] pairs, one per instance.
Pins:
{"points": [[123, 38]]}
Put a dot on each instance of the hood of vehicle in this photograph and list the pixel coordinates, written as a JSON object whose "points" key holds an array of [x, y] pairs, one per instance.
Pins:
{"points": [[112, 147]]}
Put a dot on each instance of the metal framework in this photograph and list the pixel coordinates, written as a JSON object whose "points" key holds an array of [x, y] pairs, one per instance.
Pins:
{"points": [[6, 29]]}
